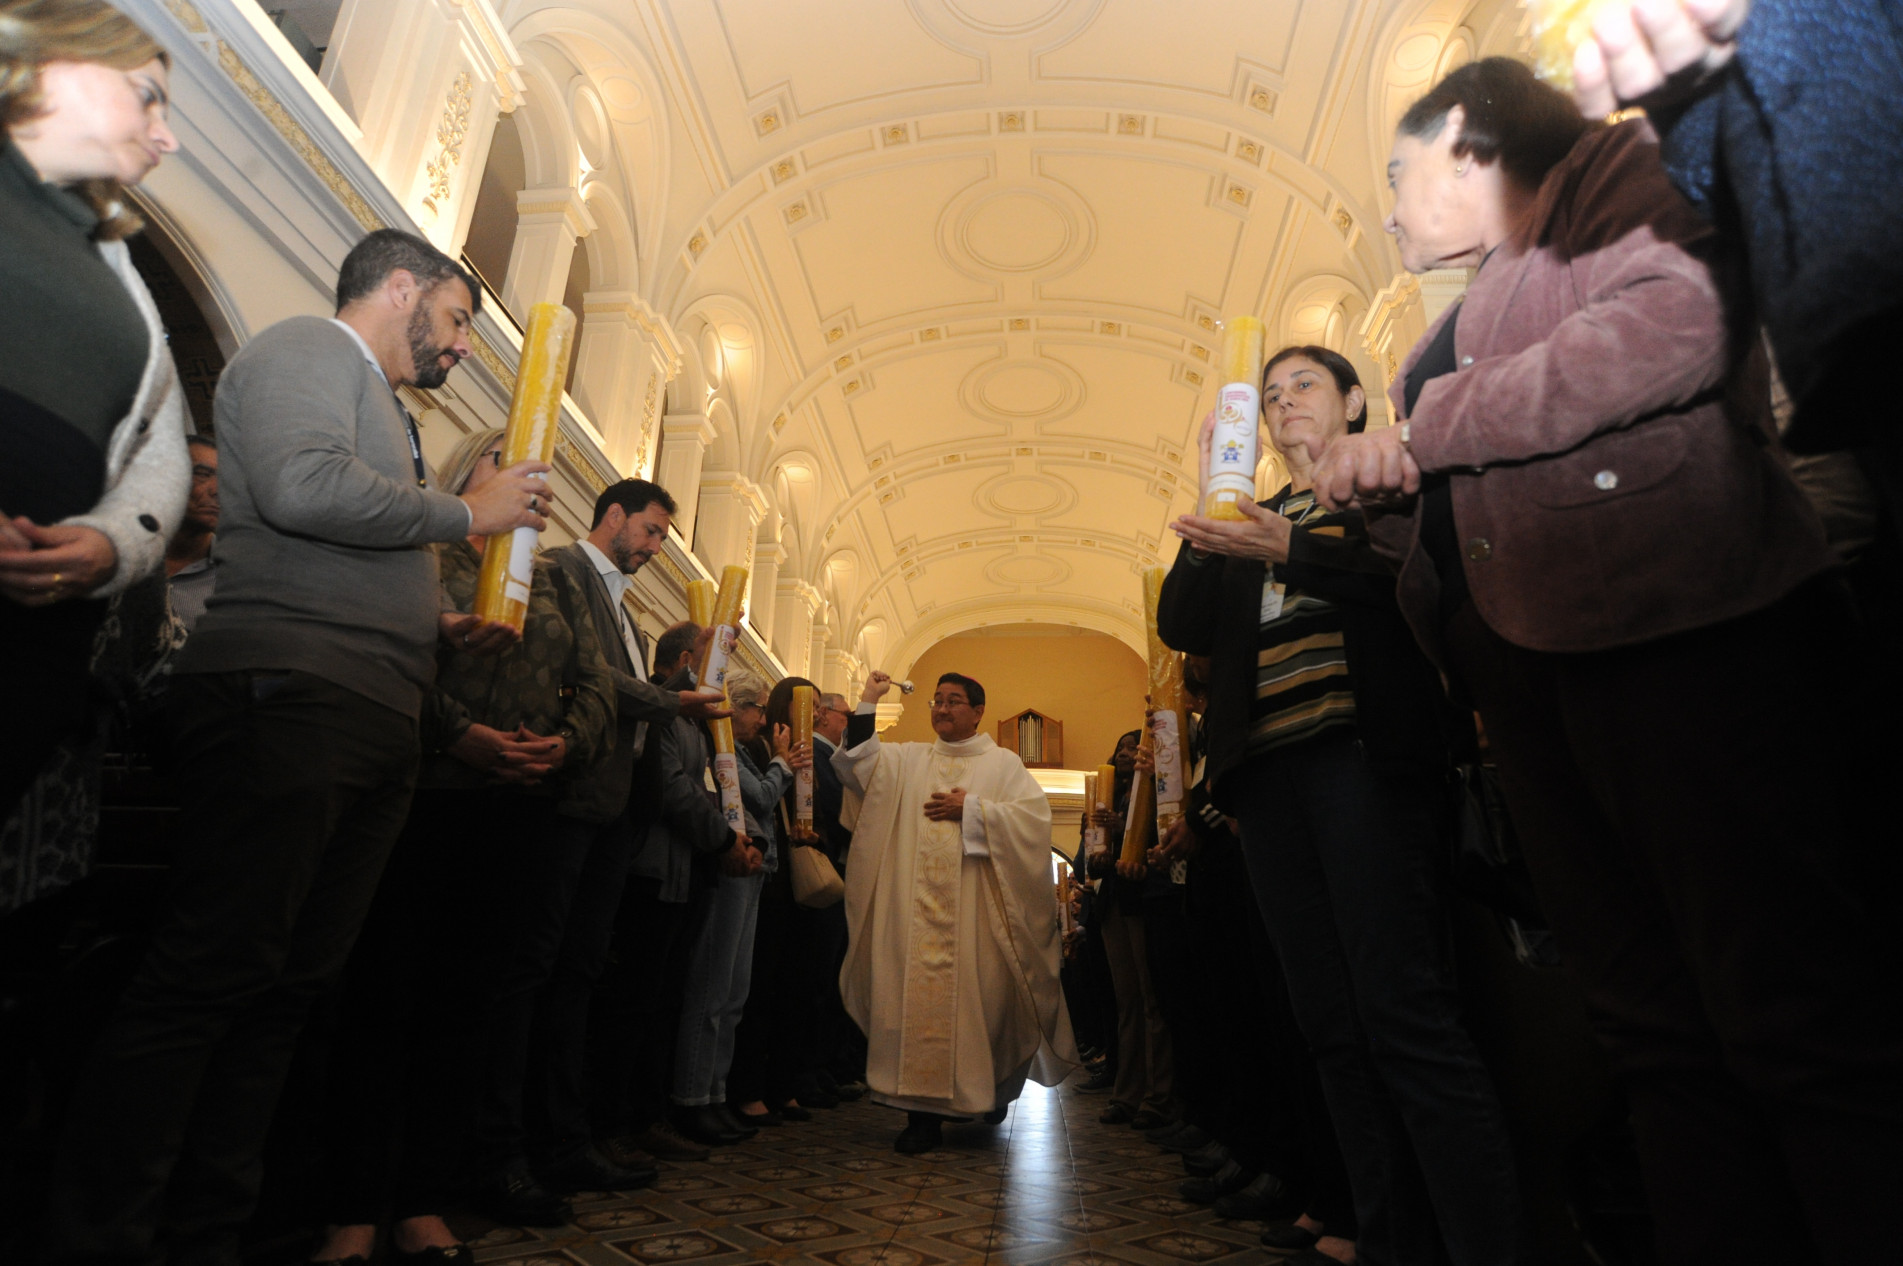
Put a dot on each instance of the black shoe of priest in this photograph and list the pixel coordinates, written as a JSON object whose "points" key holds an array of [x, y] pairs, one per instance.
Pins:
{"points": [[922, 1133]]}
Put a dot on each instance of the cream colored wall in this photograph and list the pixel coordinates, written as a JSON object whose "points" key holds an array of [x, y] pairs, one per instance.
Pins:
{"points": [[1093, 683]]}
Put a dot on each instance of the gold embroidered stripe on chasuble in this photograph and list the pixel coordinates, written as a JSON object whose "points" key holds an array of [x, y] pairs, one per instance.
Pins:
{"points": [[929, 1010]]}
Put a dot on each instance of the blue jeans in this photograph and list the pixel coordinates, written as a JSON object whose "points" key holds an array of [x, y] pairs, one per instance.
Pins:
{"points": [[719, 973], [1340, 855]]}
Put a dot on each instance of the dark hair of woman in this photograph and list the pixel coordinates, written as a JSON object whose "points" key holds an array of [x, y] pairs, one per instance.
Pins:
{"points": [[1510, 118], [1338, 367], [1124, 779], [779, 711]]}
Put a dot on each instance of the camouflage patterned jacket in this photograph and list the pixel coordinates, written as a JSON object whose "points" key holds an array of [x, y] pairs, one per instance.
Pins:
{"points": [[559, 655]]}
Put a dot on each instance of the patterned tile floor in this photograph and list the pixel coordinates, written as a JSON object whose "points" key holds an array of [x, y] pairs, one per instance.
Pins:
{"points": [[1050, 1185]]}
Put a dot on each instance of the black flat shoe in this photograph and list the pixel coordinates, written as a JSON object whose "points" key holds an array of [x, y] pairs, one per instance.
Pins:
{"points": [[515, 1199], [1289, 1239], [703, 1125], [922, 1133], [997, 1115], [1267, 1199], [735, 1122], [589, 1170], [771, 1117], [1206, 1162], [1229, 1179], [794, 1112]]}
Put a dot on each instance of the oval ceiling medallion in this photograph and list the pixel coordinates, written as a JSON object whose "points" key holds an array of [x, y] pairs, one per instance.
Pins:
{"points": [[992, 231], [1028, 569], [1004, 17], [1011, 390], [1025, 496], [1015, 231]]}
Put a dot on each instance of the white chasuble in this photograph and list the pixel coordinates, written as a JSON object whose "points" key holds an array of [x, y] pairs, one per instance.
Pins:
{"points": [[952, 966]]}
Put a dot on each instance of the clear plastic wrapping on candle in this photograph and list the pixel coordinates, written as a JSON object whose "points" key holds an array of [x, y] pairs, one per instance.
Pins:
{"points": [[535, 417], [1139, 824], [1232, 447], [726, 621], [1093, 834], [1169, 715], [702, 600], [804, 699]]}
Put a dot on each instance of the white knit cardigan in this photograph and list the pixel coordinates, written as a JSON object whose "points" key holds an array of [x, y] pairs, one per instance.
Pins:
{"points": [[148, 467]]}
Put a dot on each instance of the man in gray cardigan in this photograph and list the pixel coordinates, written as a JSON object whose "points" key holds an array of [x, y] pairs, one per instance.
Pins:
{"points": [[543, 1002], [294, 712]]}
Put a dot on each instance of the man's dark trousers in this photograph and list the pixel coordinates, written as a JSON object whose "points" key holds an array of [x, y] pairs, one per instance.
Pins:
{"points": [[294, 790], [534, 1107]]}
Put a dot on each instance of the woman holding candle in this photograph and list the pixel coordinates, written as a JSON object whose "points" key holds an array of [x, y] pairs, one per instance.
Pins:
{"points": [[498, 732], [1329, 742], [720, 968], [1600, 548], [93, 469], [773, 1049]]}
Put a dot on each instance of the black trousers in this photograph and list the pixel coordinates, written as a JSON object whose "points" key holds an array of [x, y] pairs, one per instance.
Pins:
{"points": [[795, 987], [415, 1026], [294, 790], [636, 1010], [1682, 807], [533, 1105]]}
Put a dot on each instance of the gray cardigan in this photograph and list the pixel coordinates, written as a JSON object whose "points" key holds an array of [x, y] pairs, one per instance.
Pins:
{"points": [[148, 471], [322, 565]]}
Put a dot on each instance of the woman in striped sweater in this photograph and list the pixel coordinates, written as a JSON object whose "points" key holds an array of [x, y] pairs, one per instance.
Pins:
{"points": [[1330, 742]]}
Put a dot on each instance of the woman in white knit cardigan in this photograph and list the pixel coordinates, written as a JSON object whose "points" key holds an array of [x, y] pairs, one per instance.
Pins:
{"points": [[83, 97]]}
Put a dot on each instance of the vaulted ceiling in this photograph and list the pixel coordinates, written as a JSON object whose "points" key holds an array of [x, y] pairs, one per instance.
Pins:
{"points": [[949, 272]]}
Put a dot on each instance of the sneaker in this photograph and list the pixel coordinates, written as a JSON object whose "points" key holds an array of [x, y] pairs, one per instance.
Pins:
{"points": [[515, 1199], [1149, 1119], [1267, 1199], [1116, 1114], [1225, 1181], [663, 1142], [1185, 1139]]}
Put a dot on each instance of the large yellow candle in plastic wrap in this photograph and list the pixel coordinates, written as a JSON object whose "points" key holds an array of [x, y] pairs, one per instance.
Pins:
{"points": [[1232, 448], [804, 700], [535, 416], [700, 602], [1139, 824], [1169, 715], [1096, 839], [723, 614], [1559, 28]]}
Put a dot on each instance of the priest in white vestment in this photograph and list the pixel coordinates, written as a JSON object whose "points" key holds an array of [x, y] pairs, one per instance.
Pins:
{"points": [[952, 966]]}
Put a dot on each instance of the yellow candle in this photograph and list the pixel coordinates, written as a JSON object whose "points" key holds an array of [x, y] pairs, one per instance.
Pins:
{"points": [[535, 416], [1098, 790], [1169, 716], [1139, 825], [804, 699], [726, 621], [1232, 448], [1559, 28], [700, 601]]}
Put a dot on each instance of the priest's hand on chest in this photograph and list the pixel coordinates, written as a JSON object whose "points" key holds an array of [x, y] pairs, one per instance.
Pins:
{"points": [[946, 806]]}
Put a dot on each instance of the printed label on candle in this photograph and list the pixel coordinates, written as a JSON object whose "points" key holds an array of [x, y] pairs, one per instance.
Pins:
{"points": [[1232, 447], [717, 655], [1179, 871], [1169, 762], [1095, 841], [727, 778], [803, 797]]}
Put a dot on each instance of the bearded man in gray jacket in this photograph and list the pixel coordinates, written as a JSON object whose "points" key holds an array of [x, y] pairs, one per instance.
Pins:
{"points": [[295, 712]]}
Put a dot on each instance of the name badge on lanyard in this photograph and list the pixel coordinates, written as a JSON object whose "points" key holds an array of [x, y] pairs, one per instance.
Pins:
{"points": [[1274, 593]]}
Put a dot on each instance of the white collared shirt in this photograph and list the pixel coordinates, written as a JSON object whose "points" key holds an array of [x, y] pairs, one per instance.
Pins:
{"points": [[616, 582]]}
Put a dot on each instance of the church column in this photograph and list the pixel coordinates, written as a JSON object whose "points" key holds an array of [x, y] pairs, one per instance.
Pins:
{"points": [[550, 222], [793, 627], [816, 651], [730, 509], [763, 587], [684, 441], [425, 83], [624, 357]]}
